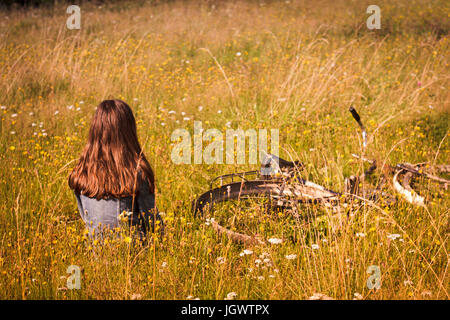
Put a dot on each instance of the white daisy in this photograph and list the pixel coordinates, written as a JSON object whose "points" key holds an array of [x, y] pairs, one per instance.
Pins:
{"points": [[275, 241], [246, 252], [231, 295], [393, 236]]}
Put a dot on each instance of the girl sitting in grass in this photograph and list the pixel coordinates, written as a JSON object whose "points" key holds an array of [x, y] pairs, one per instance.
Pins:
{"points": [[113, 179]]}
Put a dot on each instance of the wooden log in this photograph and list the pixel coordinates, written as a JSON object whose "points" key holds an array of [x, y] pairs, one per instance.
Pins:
{"points": [[235, 236]]}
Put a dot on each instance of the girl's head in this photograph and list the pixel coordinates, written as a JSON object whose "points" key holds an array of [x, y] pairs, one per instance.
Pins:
{"points": [[112, 157]]}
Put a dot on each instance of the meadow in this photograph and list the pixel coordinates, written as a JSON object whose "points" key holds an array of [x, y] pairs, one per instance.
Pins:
{"points": [[295, 66]]}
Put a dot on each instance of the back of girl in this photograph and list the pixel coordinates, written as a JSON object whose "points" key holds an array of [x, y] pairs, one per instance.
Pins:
{"points": [[113, 180]]}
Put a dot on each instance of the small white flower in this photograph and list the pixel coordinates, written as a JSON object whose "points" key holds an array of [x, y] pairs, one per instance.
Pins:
{"points": [[393, 236], [264, 255], [360, 234], [14, 115], [312, 149], [358, 296], [78, 109], [12, 132], [136, 296], [320, 296], [426, 293], [186, 118], [200, 108], [271, 276], [231, 296], [70, 107], [238, 54], [291, 256], [260, 278], [258, 261], [183, 113], [3, 107], [44, 134], [228, 124], [33, 124], [163, 124], [219, 111], [125, 214], [81, 102], [164, 264], [172, 112], [246, 252], [407, 283], [31, 114], [315, 246], [275, 241], [221, 260], [56, 112]]}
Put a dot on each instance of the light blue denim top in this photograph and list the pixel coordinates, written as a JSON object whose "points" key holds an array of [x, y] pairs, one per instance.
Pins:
{"points": [[104, 213]]}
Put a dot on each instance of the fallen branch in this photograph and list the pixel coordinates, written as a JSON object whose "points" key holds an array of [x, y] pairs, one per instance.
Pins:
{"points": [[235, 236]]}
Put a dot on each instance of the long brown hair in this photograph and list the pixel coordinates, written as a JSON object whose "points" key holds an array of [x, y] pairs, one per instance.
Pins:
{"points": [[112, 158]]}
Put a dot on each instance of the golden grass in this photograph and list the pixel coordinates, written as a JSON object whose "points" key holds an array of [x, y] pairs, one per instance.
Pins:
{"points": [[301, 65]]}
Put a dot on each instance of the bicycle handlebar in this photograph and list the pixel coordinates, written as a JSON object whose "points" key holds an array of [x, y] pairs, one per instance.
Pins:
{"points": [[355, 114], [363, 128]]}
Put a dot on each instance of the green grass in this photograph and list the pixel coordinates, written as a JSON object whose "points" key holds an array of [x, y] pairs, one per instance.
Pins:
{"points": [[301, 66]]}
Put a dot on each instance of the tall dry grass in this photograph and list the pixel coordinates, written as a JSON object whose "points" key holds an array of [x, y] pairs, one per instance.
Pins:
{"points": [[293, 65]]}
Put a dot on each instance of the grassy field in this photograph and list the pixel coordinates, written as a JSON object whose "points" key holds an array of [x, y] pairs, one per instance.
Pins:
{"points": [[295, 66]]}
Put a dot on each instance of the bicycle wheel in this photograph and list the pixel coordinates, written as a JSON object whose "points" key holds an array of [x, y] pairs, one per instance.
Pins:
{"points": [[232, 191], [242, 210]]}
